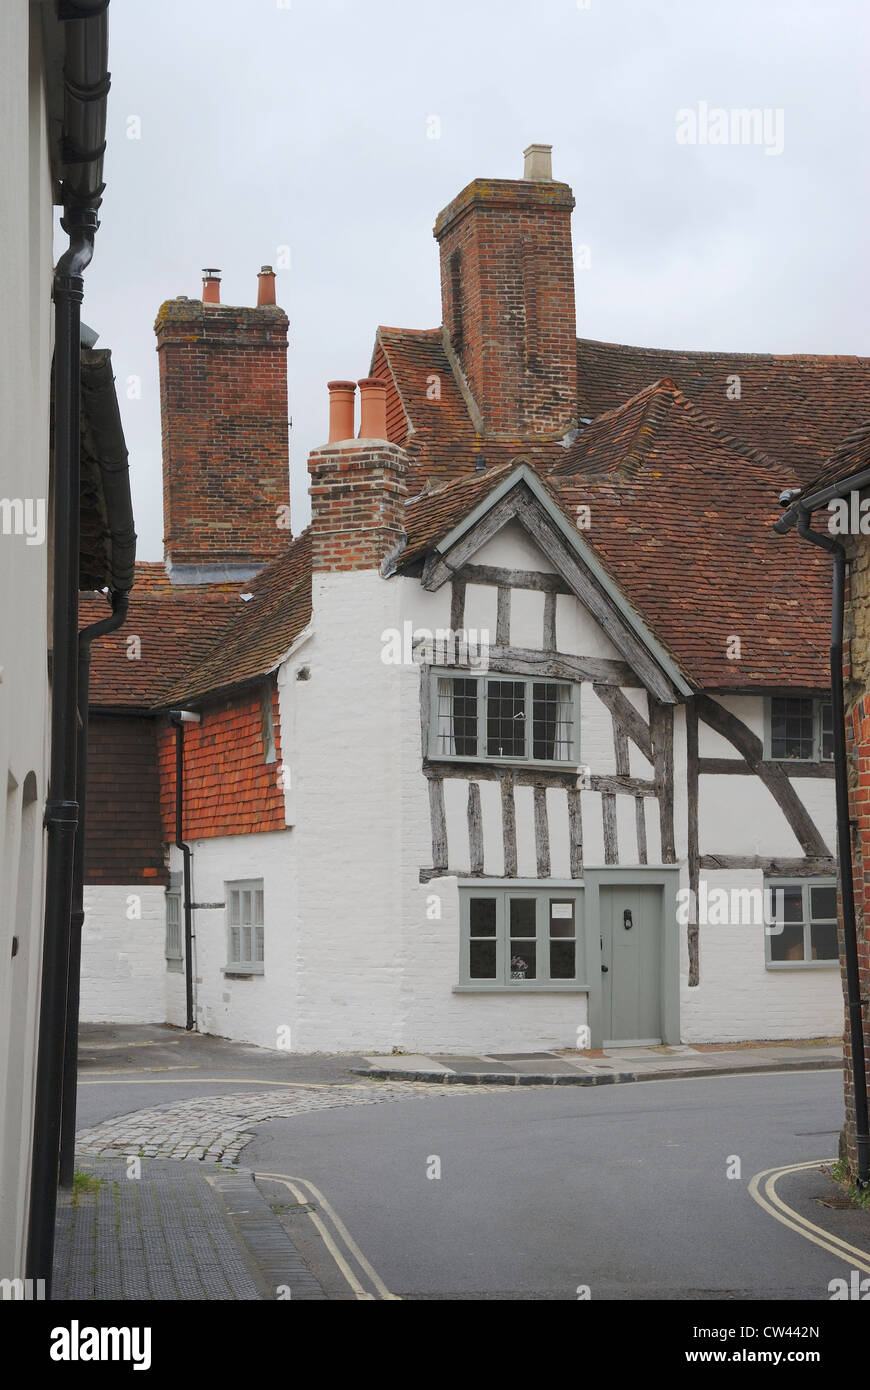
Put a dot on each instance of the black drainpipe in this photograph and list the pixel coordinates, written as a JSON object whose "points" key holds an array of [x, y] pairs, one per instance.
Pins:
{"points": [[120, 603], [61, 811], [179, 718], [844, 844]]}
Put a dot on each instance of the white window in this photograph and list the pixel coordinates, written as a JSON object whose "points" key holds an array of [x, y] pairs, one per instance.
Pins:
{"points": [[174, 929], [504, 719], [521, 938], [803, 930], [801, 729], [245, 926]]}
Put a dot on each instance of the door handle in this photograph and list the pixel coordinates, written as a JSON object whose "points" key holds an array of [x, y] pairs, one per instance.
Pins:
{"points": [[605, 969], [626, 919]]}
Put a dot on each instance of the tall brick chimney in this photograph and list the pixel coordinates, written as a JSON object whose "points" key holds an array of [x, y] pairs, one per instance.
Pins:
{"points": [[223, 405], [507, 292], [358, 486]]}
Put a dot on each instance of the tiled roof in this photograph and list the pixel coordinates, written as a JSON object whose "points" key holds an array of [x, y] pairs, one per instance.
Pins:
{"points": [[434, 513], [681, 517], [852, 456], [683, 484], [794, 408], [260, 631], [429, 415], [176, 625]]}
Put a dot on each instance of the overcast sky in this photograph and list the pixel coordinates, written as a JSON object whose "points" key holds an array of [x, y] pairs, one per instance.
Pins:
{"points": [[265, 124]]}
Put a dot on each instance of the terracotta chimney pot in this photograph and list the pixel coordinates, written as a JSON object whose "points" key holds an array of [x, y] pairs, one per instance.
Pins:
{"points": [[211, 286], [342, 397], [373, 408], [265, 286]]}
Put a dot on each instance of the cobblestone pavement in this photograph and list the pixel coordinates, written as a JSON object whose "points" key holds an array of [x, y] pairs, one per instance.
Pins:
{"points": [[216, 1128]]}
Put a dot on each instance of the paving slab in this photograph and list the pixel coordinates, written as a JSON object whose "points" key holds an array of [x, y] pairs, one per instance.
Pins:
{"points": [[181, 1230], [614, 1064]]}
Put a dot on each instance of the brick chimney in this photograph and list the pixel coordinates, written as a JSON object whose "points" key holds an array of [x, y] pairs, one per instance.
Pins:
{"points": [[223, 405], [507, 292], [358, 487]]}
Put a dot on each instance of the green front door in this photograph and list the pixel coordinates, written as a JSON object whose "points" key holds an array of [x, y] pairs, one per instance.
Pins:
{"points": [[631, 963]]}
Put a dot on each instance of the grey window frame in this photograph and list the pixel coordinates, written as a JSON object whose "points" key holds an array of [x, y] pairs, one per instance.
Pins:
{"points": [[270, 751], [240, 965], [819, 702], [174, 960], [821, 881], [437, 673], [542, 895]]}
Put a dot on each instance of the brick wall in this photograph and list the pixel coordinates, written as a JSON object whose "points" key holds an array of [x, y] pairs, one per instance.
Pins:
{"points": [[223, 403], [857, 674], [123, 836], [507, 290], [357, 504], [229, 788]]}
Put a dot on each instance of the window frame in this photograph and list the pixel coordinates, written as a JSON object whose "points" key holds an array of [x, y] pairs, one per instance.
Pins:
{"points": [[543, 898], [174, 891], [805, 884], [244, 966], [437, 673], [818, 702]]}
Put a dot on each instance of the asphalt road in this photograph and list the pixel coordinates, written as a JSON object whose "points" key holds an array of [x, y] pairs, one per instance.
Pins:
{"points": [[621, 1189]]}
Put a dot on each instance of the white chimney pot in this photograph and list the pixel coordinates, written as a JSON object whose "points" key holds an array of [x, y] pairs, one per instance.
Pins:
{"points": [[539, 163]]}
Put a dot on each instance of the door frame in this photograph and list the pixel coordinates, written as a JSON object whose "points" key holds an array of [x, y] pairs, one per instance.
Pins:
{"points": [[667, 878]]}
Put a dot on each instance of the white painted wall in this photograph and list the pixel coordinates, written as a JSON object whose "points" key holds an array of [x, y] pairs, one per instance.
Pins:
{"points": [[253, 1008], [25, 359], [739, 998], [123, 954]]}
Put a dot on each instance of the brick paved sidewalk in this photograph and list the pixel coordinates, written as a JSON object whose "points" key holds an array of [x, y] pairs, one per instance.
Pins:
{"points": [[180, 1231]]}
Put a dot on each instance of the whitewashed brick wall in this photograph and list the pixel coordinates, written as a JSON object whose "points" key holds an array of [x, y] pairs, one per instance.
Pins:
{"points": [[123, 961]]}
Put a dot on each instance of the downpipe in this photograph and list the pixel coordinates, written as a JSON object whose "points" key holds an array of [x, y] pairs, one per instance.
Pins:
{"points": [[61, 811], [179, 718], [844, 845], [120, 604]]}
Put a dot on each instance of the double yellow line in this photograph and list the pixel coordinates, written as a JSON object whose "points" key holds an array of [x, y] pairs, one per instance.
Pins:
{"points": [[768, 1198], [364, 1281]]}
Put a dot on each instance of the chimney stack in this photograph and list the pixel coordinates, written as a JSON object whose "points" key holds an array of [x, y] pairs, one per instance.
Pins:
{"points": [[211, 286], [342, 397], [223, 406], [507, 291], [265, 286], [358, 487]]}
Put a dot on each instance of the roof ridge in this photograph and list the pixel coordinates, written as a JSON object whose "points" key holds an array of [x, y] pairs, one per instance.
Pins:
{"points": [[817, 357], [663, 394], [747, 451], [656, 393]]}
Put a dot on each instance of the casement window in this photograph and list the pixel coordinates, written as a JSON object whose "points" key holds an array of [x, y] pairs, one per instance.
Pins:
{"points": [[803, 916], [523, 939], [174, 924], [801, 729], [504, 719], [245, 927]]}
